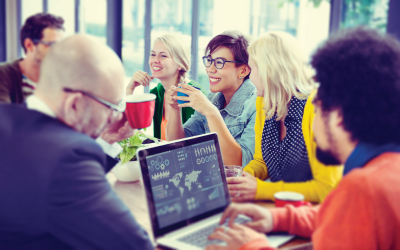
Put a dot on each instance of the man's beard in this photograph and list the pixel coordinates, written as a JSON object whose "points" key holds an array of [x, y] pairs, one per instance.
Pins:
{"points": [[327, 157]]}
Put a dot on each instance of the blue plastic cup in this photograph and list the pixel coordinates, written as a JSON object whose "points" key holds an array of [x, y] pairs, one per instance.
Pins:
{"points": [[183, 94]]}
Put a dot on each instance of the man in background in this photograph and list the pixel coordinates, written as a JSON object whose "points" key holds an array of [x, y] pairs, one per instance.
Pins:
{"points": [[53, 189], [357, 123], [19, 78]]}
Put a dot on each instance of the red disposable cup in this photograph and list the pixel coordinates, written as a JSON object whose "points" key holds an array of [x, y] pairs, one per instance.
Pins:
{"points": [[140, 110], [286, 197]]}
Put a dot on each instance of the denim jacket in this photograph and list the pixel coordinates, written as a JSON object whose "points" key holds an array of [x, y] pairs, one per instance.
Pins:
{"points": [[239, 116]]}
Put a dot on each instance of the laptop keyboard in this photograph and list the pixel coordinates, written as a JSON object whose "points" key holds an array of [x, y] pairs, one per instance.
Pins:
{"points": [[199, 238]]}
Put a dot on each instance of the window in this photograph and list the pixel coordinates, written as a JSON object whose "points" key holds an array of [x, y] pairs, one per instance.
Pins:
{"points": [[65, 9], [94, 18], [301, 18], [171, 16], [372, 13], [133, 38], [29, 8], [206, 16]]}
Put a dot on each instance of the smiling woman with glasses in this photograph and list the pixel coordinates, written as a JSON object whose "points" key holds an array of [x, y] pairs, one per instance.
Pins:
{"points": [[230, 109]]}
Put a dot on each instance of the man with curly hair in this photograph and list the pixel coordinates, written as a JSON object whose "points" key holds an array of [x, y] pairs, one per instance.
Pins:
{"points": [[357, 124], [18, 79]]}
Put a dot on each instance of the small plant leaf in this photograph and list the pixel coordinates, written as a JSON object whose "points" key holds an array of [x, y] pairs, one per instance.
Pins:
{"points": [[130, 146]]}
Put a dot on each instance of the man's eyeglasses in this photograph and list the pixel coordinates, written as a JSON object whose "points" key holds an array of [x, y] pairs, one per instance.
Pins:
{"points": [[48, 44], [219, 62], [116, 108]]}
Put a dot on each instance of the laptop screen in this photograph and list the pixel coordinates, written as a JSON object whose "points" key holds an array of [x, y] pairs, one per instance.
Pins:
{"points": [[184, 180]]}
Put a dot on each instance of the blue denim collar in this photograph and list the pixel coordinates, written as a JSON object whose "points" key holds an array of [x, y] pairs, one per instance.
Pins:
{"points": [[236, 105], [364, 152]]}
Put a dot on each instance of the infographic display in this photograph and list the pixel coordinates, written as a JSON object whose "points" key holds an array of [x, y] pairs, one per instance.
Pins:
{"points": [[185, 182]]}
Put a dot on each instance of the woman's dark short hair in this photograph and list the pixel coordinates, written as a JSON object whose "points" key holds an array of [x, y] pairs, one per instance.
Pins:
{"points": [[235, 42], [34, 26], [359, 74]]}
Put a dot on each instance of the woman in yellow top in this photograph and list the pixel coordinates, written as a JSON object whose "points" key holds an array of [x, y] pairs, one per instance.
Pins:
{"points": [[285, 151]]}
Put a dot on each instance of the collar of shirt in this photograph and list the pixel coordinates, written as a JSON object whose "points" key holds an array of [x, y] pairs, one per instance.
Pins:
{"points": [[364, 152], [35, 103], [236, 105], [28, 81]]}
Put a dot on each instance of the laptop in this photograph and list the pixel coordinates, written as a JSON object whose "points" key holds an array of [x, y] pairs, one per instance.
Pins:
{"points": [[187, 192]]}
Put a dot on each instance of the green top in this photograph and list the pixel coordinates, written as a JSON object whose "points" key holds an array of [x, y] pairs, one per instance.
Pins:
{"points": [[158, 112]]}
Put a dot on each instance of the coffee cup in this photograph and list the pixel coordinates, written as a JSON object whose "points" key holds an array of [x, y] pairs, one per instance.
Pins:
{"points": [[183, 94], [233, 171], [140, 110], [284, 198]]}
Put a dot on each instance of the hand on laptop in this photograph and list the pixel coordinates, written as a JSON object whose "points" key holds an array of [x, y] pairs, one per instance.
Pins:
{"points": [[242, 188], [261, 217], [235, 236]]}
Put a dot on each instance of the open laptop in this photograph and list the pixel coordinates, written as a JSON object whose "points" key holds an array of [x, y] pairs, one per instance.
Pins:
{"points": [[187, 192]]}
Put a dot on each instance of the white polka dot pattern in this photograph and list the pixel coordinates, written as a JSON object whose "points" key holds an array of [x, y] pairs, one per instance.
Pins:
{"points": [[286, 160]]}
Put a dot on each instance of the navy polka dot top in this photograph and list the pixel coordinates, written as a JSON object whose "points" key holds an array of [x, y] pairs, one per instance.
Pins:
{"points": [[286, 160]]}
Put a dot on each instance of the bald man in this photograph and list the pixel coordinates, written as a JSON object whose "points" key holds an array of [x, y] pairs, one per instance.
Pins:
{"points": [[53, 189]]}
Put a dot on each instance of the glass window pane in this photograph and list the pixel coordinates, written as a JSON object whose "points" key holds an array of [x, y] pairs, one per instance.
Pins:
{"points": [[206, 16], [65, 9], [172, 16], [29, 8], [133, 38], [301, 18], [94, 18], [372, 13]]}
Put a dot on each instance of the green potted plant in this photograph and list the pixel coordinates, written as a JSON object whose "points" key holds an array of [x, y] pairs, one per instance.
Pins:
{"points": [[128, 169]]}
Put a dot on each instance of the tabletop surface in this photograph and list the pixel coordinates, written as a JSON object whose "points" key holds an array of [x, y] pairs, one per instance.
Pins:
{"points": [[132, 194]]}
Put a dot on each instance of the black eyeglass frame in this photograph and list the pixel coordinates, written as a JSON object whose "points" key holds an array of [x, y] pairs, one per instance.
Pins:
{"points": [[214, 60], [36, 41], [120, 107]]}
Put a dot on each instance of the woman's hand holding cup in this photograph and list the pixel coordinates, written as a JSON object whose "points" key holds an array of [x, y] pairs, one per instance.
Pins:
{"points": [[169, 97], [195, 99], [242, 188]]}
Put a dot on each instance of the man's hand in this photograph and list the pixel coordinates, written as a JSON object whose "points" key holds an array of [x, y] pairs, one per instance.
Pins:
{"points": [[118, 131], [242, 188], [235, 237], [261, 217]]}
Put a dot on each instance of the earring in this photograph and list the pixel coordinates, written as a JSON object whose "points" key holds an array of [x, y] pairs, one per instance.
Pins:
{"points": [[240, 77]]}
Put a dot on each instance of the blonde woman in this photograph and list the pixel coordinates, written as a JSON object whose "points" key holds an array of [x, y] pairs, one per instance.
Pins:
{"points": [[285, 151], [169, 62]]}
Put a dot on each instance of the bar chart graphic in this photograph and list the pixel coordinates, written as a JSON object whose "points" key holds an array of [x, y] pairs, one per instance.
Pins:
{"points": [[214, 194]]}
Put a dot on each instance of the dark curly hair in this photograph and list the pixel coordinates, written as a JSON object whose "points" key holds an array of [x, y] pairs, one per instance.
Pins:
{"points": [[235, 42], [34, 26], [359, 73]]}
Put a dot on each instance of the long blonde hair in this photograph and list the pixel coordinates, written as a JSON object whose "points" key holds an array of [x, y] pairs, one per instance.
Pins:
{"points": [[179, 53], [282, 69]]}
